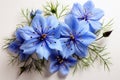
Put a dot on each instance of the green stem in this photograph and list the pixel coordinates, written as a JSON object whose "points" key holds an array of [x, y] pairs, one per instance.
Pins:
{"points": [[105, 63], [99, 38]]}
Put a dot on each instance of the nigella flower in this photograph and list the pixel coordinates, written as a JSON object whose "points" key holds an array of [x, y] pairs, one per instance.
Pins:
{"points": [[41, 37], [89, 14], [60, 63], [15, 46], [75, 37]]}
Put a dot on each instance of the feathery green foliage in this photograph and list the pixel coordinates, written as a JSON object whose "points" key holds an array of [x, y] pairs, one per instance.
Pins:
{"points": [[55, 9]]}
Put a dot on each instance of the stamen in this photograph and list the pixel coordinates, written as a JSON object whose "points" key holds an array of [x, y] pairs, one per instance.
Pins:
{"points": [[59, 59], [43, 36], [72, 37]]}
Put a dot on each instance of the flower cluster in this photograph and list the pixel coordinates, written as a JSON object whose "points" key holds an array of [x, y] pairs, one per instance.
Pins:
{"points": [[58, 42]]}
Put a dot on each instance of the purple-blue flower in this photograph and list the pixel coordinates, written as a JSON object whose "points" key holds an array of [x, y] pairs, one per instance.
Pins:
{"points": [[15, 46], [75, 37], [41, 37], [60, 63], [89, 14]]}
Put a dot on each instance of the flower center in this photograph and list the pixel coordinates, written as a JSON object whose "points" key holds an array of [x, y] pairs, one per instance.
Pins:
{"points": [[43, 36], [60, 60], [72, 37], [83, 18]]}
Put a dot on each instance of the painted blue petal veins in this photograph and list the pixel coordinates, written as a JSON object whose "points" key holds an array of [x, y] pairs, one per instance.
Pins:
{"points": [[53, 67], [71, 61], [95, 26], [43, 51], [82, 28], [14, 46], [54, 54], [88, 6], [55, 33], [87, 38], [54, 44], [77, 11], [52, 23], [28, 33], [30, 43], [72, 22], [64, 69], [65, 29], [81, 50], [68, 47], [96, 14], [18, 35], [38, 23], [29, 47]]}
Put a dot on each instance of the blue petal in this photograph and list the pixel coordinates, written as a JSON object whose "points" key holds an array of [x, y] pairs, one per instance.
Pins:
{"points": [[54, 54], [29, 47], [30, 43], [96, 14], [65, 29], [68, 47], [81, 50], [28, 33], [54, 44], [64, 69], [38, 11], [87, 38], [14, 46], [95, 26], [71, 61], [38, 23], [74, 24], [53, 32], [23, 56], [52, 23], [43, 51], [77, 10], [29, 50], [53, 67], [88, 6], [83, 27], [18, 36]]}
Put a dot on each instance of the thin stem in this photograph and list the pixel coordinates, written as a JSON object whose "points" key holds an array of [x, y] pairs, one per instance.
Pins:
{"points": [[99, 38]]}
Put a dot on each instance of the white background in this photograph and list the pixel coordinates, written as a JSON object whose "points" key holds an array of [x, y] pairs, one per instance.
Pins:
{"points": [[10, 16]]}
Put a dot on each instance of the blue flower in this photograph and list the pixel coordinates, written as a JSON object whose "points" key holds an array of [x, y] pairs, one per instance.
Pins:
{"points": [[41, 37], [15, 47], [60, 63], [89, 14], [75, 37]]}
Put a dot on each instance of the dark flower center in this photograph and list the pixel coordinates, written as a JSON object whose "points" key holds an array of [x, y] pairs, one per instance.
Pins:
{"points": [[83, 18], [72, 37], [59, 59], [43, 36]]}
